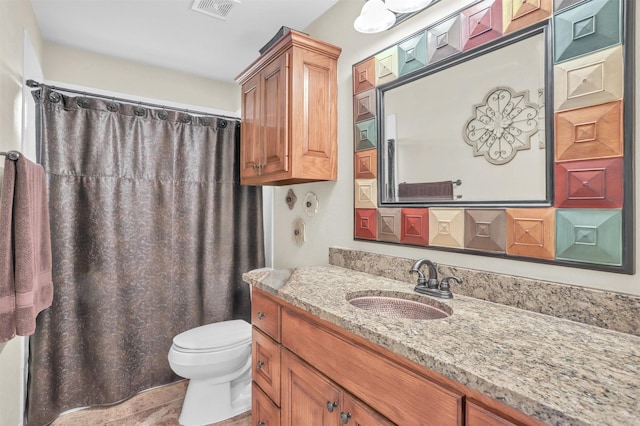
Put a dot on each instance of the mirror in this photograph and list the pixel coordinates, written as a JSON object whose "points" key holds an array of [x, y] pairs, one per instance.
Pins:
{"points": [[491, 146]]}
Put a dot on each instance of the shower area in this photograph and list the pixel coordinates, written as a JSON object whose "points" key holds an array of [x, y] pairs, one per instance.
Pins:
{"points": [[151, 232]]}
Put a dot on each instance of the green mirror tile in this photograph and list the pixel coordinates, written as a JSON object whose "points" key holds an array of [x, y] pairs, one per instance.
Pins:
{"points": [[412, 54], [589, 235], [559, 5], [586, 28], [366, 135]]}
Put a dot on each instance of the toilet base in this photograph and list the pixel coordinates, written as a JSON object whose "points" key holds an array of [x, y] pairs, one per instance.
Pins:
{"points": [[207, 402]]}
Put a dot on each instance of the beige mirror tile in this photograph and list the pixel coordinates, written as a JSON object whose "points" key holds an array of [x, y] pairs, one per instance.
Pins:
{"points": [[589, 80], [387, 65], [366, 193], [446, 227]]}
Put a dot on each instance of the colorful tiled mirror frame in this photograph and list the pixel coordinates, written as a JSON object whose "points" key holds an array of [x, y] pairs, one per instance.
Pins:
{"points": [[589, 224]]}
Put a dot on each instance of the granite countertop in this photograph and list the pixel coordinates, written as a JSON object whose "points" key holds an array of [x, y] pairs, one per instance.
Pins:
{"points": [[555, 370]]}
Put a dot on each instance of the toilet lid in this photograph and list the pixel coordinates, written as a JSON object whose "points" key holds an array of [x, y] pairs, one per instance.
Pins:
{"points": [[219, 336]]}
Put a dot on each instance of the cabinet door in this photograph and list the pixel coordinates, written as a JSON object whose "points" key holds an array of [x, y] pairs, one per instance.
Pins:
{"points": [[308, 398], [263, 411], [265, 356], [314, 115], [250, 136], [356, 413], [274, 110]]}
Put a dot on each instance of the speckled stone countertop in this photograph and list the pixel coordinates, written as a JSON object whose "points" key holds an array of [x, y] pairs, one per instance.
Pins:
{"points": [[555, 370]]}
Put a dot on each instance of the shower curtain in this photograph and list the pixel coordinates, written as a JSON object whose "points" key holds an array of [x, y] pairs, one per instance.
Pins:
{"points": [[150, 233]]}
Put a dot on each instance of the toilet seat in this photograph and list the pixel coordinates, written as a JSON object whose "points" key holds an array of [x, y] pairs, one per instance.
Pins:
{"points": [[214, 337]]}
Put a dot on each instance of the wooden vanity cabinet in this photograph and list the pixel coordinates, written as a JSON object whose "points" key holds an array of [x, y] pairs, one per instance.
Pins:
{"points": [[328, 376], [289, 113]]}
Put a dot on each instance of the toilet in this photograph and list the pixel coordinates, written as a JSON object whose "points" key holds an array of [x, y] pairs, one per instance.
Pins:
{"points": [[216, 358]]}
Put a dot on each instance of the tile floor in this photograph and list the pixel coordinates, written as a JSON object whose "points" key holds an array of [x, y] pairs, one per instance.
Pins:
{"points": [[157, 407]]}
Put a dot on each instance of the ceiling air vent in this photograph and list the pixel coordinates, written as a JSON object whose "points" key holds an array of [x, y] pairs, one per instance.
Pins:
{"points": [[217, 8]]}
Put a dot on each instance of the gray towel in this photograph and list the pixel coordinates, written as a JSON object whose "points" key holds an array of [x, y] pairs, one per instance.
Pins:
{"points": [[427, 190], [26, 286]]}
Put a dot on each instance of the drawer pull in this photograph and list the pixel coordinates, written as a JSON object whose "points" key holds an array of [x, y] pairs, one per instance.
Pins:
{"points": [[261, 315], [259, 364], [260, 423], [331, 406], [344, 417]]}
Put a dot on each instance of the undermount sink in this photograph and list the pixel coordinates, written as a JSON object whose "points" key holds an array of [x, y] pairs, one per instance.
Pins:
{"points": [[396, 307]]}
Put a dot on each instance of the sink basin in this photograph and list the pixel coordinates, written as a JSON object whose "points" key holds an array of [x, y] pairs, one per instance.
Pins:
{"points": [[395, 307]]}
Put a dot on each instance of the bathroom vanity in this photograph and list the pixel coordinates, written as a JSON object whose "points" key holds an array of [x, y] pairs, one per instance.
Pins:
{"points": [[319, 360]]}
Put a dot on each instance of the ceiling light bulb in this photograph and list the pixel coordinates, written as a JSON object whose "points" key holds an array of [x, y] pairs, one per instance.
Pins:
{"points": [[374, 17], [406, 6]]}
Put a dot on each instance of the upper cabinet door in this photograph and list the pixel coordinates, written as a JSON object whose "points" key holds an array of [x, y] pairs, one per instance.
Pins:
{"points": [[275, 116], [250, 153]]}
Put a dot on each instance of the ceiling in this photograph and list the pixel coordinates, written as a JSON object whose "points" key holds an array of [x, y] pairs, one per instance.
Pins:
{"points": [[169, 34]]}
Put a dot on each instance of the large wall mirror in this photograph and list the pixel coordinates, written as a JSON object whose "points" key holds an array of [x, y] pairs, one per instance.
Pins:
{"points": [[481, 140], [504, 129]]}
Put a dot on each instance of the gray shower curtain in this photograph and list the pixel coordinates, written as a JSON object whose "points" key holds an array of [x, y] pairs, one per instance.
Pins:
{"points": [[150, 234]]}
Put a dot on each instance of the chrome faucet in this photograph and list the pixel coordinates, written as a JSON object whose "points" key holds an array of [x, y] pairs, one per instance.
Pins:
{"points": [[432, 282], [431, 286]]}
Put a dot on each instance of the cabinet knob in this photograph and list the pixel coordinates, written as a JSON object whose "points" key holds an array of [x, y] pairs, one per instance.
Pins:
{"points": [[261, 315], [331, 406], [260, 423], [344, 417], [259, 364]]}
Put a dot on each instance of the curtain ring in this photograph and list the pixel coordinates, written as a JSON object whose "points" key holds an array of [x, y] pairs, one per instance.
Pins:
{"points": [[186, 118], [222, 124], [112, 106], [83, 102], [163, 114], [139, 111], [55, 97]]}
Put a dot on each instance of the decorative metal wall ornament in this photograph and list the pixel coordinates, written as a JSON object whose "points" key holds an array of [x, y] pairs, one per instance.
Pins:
{"points": [[503, 125], [298, 232], [310, 204], [291, 199]]}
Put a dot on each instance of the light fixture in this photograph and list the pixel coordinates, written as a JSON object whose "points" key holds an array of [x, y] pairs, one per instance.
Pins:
{"points": [[406, 6], [374, 17]]}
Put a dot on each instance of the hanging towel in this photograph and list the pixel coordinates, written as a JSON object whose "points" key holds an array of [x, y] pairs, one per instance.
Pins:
{"points": [[429, 190], [26, 286]]}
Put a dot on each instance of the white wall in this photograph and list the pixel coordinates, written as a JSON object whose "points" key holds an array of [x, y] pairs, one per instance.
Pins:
{"points": [[83, 68], [333, 225], [16, 19]]}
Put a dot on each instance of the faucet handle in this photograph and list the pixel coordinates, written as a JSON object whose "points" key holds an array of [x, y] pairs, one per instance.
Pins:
{"points": [[444, 284]]}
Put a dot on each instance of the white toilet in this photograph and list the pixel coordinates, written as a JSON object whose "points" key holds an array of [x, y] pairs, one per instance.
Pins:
{"points": [[216, 358]]}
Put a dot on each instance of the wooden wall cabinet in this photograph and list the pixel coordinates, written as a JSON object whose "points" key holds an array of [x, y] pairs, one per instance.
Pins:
{"points": [[289, 113], [328, 376]]}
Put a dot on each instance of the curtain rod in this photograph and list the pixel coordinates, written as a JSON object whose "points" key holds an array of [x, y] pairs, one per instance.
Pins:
{"points": [[35, 84], [11, 155]]}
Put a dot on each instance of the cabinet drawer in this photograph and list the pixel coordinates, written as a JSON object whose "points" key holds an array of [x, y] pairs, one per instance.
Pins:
{"points": [[265, 370], [265, 313], [263, 411], [479, 416], [402, 395]]}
